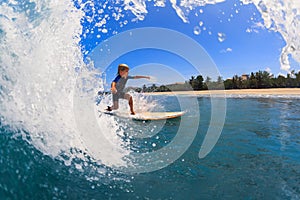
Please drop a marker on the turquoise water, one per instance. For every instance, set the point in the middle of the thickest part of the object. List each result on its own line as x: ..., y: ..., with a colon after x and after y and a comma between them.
x: 256, y: 157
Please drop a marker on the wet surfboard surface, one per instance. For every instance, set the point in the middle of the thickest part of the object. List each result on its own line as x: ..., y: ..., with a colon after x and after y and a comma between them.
x: 147, y: 115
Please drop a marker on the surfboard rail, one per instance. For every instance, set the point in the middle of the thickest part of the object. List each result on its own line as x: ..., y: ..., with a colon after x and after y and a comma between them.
x: 145, y: 116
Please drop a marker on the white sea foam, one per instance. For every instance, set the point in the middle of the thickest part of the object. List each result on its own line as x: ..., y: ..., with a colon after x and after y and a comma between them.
x: 42, y: 70
x: 38, y: 54
x: 282, y: 16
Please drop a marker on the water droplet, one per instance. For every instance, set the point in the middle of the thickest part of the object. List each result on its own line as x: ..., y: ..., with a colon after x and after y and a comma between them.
x: 221, y: 37
x: 197, y: 30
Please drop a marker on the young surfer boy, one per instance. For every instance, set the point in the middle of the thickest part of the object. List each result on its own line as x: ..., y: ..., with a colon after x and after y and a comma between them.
x: 118, y: 85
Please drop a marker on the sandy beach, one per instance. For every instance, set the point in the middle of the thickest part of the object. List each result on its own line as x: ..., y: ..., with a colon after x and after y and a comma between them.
x: 272, y: 91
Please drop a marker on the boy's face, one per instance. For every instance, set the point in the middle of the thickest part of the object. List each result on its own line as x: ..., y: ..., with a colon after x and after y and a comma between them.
x: 124, y: 73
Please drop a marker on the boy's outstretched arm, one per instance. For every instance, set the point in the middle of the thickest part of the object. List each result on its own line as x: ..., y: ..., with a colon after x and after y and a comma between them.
x: 147, y: 77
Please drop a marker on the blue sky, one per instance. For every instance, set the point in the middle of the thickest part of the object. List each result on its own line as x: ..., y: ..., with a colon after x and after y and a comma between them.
x: 244, y: 46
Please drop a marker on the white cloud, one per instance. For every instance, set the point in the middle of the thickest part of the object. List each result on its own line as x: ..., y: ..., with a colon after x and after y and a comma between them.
x: 268, y: 70
x: 281, y: 74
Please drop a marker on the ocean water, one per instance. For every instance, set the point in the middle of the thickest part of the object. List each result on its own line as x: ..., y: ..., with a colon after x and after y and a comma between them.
x: 54, y: 144
x: 256, y: 157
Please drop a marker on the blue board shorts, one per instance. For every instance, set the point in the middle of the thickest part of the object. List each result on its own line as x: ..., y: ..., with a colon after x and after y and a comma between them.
x: 118, y: 95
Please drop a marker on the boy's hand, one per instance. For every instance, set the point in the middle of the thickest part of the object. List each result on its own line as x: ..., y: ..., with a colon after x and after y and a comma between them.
x: 113, y: 90
x: 152, y: 79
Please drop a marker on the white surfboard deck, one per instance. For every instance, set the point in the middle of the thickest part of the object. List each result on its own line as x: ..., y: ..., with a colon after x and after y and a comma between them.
x: 147, y: 115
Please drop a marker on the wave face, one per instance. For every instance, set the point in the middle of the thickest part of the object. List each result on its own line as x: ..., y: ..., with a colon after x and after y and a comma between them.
x: 39, y: 52
x: 41, y: 64
x: 42, y: 69
x: 45, y: 82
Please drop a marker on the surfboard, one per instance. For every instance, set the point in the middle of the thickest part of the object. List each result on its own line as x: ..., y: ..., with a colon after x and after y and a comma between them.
x: 147, y: 116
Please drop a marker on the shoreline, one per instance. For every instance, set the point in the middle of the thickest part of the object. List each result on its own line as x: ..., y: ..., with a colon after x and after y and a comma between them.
x: 271, y: 91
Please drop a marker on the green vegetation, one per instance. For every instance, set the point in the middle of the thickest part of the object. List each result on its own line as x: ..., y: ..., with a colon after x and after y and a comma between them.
x: 263, y: 79
x: 256, y: 80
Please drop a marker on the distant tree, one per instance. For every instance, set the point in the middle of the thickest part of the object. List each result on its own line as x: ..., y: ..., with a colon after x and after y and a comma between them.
x: 258, y: 76
x: 252, y: 81
x: 207, y: 80
x: 196, y: 83
x: 263, y: 79
x: 162, y: 88
x: 220, y: 80
x: 217, y: 85
x: 266, y: 79
x: 192, y: 82
x: 144, y: 89
x: 235, y: 82
x: 208, y: 83
x: 138, y: 90
x: 291, y: 80
x: 228, y: 84
x: 297, y: 75
x: 281, y: 81
x: 153, y: 88
x: 200, y: 84
x: 260, y: 79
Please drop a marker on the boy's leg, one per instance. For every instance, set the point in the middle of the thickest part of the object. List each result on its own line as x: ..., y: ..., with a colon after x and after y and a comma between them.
x: 130, y: 102
x: 115, y: 106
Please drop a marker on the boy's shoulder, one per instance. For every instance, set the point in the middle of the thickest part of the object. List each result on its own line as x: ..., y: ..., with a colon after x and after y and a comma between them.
x: 118, y: 77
